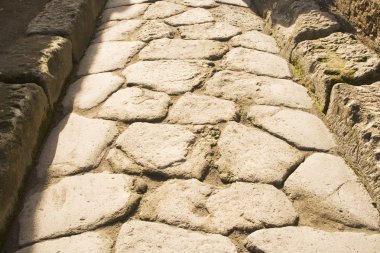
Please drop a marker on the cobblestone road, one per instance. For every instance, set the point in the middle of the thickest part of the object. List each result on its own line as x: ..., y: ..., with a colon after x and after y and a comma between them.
x: 185, y: 133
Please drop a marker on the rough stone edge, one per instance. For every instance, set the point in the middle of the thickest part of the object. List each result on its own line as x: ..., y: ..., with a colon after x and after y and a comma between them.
x: 43, y: 123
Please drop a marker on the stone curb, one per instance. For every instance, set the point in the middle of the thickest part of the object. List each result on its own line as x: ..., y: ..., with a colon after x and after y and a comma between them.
x: 32, y: 74
x: 339, y: 71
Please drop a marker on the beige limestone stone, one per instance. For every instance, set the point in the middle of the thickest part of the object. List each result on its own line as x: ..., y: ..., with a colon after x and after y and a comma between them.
x: 155, y: 30
x: 243, y: 3
x: 124, y: 12
x: 121, y: 31
x: 209, y: 31
x: 195, y: 3
x: 119, y: 161
x: 118, y: 3
x: 163, y: 9
x: 256, y: 40
x: 191, y: 17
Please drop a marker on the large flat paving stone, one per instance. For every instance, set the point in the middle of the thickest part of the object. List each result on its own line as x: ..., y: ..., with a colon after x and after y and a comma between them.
x: 257, y: 62
x: 303, y: 129
x: 244, y: 87
x: 146, y: 237
x: 163, y: 9
x: 121, y: 31
x: 177, y: 49
x: 256, y: 40
x: 191, y: 17
x: 243, y: 3
x: 76, y: 204
x: 249, y: 154
x: 153, y: 30
x: 324, y: 187
x: 89, y: 91
x: 200, y: 109
x: 108, y: 56
x: 195, y: 3
x: 198, y: 206
x: 118, y: 3
x: 75, y: 145
x: 135, y: 104
x: 209, y: 31
x: 89, y: 242
x: 172, y: 77
x: 305, y: 239
x: 124, y: 12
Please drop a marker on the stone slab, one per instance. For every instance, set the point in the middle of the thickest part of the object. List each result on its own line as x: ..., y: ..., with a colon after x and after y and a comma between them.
x: 172, y: 77
x: 251, y: 155
x: 354, y: 117
x: 135, y: 104
x: 163, y: 9
x: 118, y: 3
x: 209, y: 31
x: 76, y: 204
x: 23, y: 113
x: 108, y: 56
x: 256, y: 40
x: 34, y: 59
x: 75, y: 145
x: 248, y: 88
x: 201, y: 109
x: 198, y: 206
x: 124, y: 12
x: 306, y: 239
x: 121, y: 31
x: 153, y: 30
x: 243, y: 3
x: 256, y: 62
x: 195, y: 3
x: 191, y: 17
x: 302, y: 129
x: 89, y: 91
x: 145, y: 237
x: 177, y: 49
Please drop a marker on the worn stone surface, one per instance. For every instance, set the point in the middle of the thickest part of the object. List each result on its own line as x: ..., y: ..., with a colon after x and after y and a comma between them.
x: 243, y: 3
x: 354, y: 116
x: 163, y: 9
x: 195, y: 3
x: 240, y: 17
x: 324, y: 187
x: 303, y: 129
x: 76, y: 204
x: 140, y: 237
x: 209, y: 31
x: 118, y: 3
x: 89, y: 242
x: 200, y: 109
x: 306, y: 239
x: 75, y: 145
x: 31, y: 59
x: 257, y: 62
x: 122, y: 30
x: 135, y: 104
x: 191, y: 17
x: 172, y: 77
x: 108, y: 56
x: 89, y: 91
x: 23, y: 112
x: 177, y: 49
x: 249, y: 154
x: 155, y: 30
x: 256, y: 40
x: 124, y: 12
x: 196, y: 205
x: 336, y: 58
x: 243, y: 87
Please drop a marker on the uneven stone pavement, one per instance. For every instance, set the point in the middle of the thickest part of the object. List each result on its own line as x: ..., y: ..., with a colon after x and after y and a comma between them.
x: 184, y: 132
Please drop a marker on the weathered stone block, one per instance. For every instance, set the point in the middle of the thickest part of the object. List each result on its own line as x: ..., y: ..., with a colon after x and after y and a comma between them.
x: 44, y: 60
x: 354, y: 115
x: 23, y: 109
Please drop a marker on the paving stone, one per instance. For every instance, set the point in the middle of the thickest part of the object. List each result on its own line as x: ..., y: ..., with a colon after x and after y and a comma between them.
x: 257, y: 62
x: 249, y: 154
x: 244, y: 18
x: 303, y: 129
x: 249, y: 88
x: 146, y: 237
x: 108, y: 56
x: 200, y: 109
x: 177, y: 49
x: 163, y: 9
x: 334, y: 59
x: 172, y: 77
x: 256, y: 40
x: 243, y: 3
x: 198, y: 206
x: 119, y: 161
x: 122, y: 30
x: 306, y: 239
x: 191, y: 17
x: 155, y: 30
x: 124, y: 12
x: 89, y: 242
x: 135, y: 104
x: 75, y: 145
x: 117, y: 3
x: 324, y: 187
x: 195, y: 3
x: 89, y: 91
x: 209, y: 31
x: 76, y: 204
